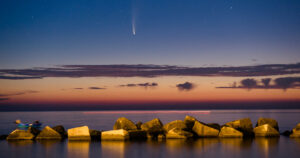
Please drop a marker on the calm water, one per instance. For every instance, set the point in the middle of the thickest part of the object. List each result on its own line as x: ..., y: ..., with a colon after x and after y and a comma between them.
x: 259, y: 147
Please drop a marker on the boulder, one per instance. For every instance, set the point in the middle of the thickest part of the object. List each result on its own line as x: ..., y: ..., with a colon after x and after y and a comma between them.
x: 120, y: 134
x: 214, y: 125
x: 48, y: 133
x: 79, y: 133
x: 244, y: 125
x: 296, y: 131
x: 124, y: 123
x: 175, y: 124
x: 61, y: 130
x: 95, y: 134
x: 273, y: 123
x: 161, y: 137
x: 153, y: 127
x: 265, y: 130
x: 137, y: 135
x: 178, y: 133
x: 229, y: 132
x: 20, y: 135
x: 189, y: 121
x: 139, y: 124
x: 34, y: 131
x: 3, y: 137
x: 286, y: 133
x: 203, y: 130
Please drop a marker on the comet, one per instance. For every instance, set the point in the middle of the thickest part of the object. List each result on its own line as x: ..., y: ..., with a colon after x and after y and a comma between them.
x: 133, y: 25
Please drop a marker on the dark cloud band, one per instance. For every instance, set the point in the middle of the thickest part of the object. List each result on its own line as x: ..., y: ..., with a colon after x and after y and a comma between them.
x: 147, y: 71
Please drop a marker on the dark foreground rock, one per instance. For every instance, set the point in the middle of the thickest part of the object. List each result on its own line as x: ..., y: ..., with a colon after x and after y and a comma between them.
x: 203, y: 130
x: 95, y: 134
x: 178, y: 133
x: 20, y: 135
x: 190, y: 121
x: 119, y: 134
x: 137, y: 135
x: 124, y: 123
x: 273, y: 123
x: 296, y: 131
x: 3, y: 137
x: 153, y: 127
x: 229, y: 132
x: 243, y: 125
x: 61, y: 130
x: 265, y: 130
x: 179, y: 124
x: 138, y: 125
x: 79, y: 133
x: 48, y: 133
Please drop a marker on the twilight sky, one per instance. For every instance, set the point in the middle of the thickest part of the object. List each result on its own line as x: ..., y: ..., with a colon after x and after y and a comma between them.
x: 199, y: 51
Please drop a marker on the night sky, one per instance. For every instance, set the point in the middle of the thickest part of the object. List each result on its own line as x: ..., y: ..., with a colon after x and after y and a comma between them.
x: 42, y: 40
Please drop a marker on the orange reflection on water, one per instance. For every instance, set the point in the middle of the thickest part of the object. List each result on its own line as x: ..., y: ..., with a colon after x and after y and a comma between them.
x: 78, y: 149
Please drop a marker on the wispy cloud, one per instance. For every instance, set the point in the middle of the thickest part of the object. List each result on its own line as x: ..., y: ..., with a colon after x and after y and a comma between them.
x: 187, y: 86
x: 148, y: 71
x: 265, y: 83
x: 3, y: 99
x: 78, y: 88
x: 147, y: 84
x: 6, y: 96
x: 17, y: 93
x: 96, y: 88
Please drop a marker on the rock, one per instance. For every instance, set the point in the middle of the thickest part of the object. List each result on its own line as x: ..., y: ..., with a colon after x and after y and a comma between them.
x: 48, y: 133
x: 3, y: 137
x: 273, y: 123
x: 296, y: 131
x: 120, y: 134
x: 230, y: 132
x: 124, y: 123
x: 214, y: 125
x: 175, y: 124
x: 265, y: 130
x: 161, y: 137
x: 244, y: 125
x: 286, y: 133
x: 95, y: 135
x: 178, y: 133
x: 138, y: 125
x: 79, y: 133
x: 202, y: 130
x: 20, y: 135
x: 34, y: 131
x: 61, y: 130
x: 189, y: 121
x: 137, y: 135
x: 153, y: 127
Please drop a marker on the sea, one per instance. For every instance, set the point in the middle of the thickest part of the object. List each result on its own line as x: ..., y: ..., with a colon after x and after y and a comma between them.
x: 104, y: 120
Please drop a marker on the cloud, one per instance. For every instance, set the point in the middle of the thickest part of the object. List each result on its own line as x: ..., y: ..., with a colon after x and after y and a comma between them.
x: 265, y: 83
x: 18, y: 93
x: 147, y: 84
x: 96, y: 88
x: 287, y: 82
x: 147, y: 71
x: 78, y: 88
x: 249, y: 83
x: 187, y: 86
x: 4, y: 99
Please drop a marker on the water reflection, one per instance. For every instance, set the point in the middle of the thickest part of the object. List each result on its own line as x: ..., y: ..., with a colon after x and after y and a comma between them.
x: 113, y: 148
x: 266, y: 144
x: 48, y: 143
x: 17, y: 143
x: 236, y: 143
x: 78, y: 149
